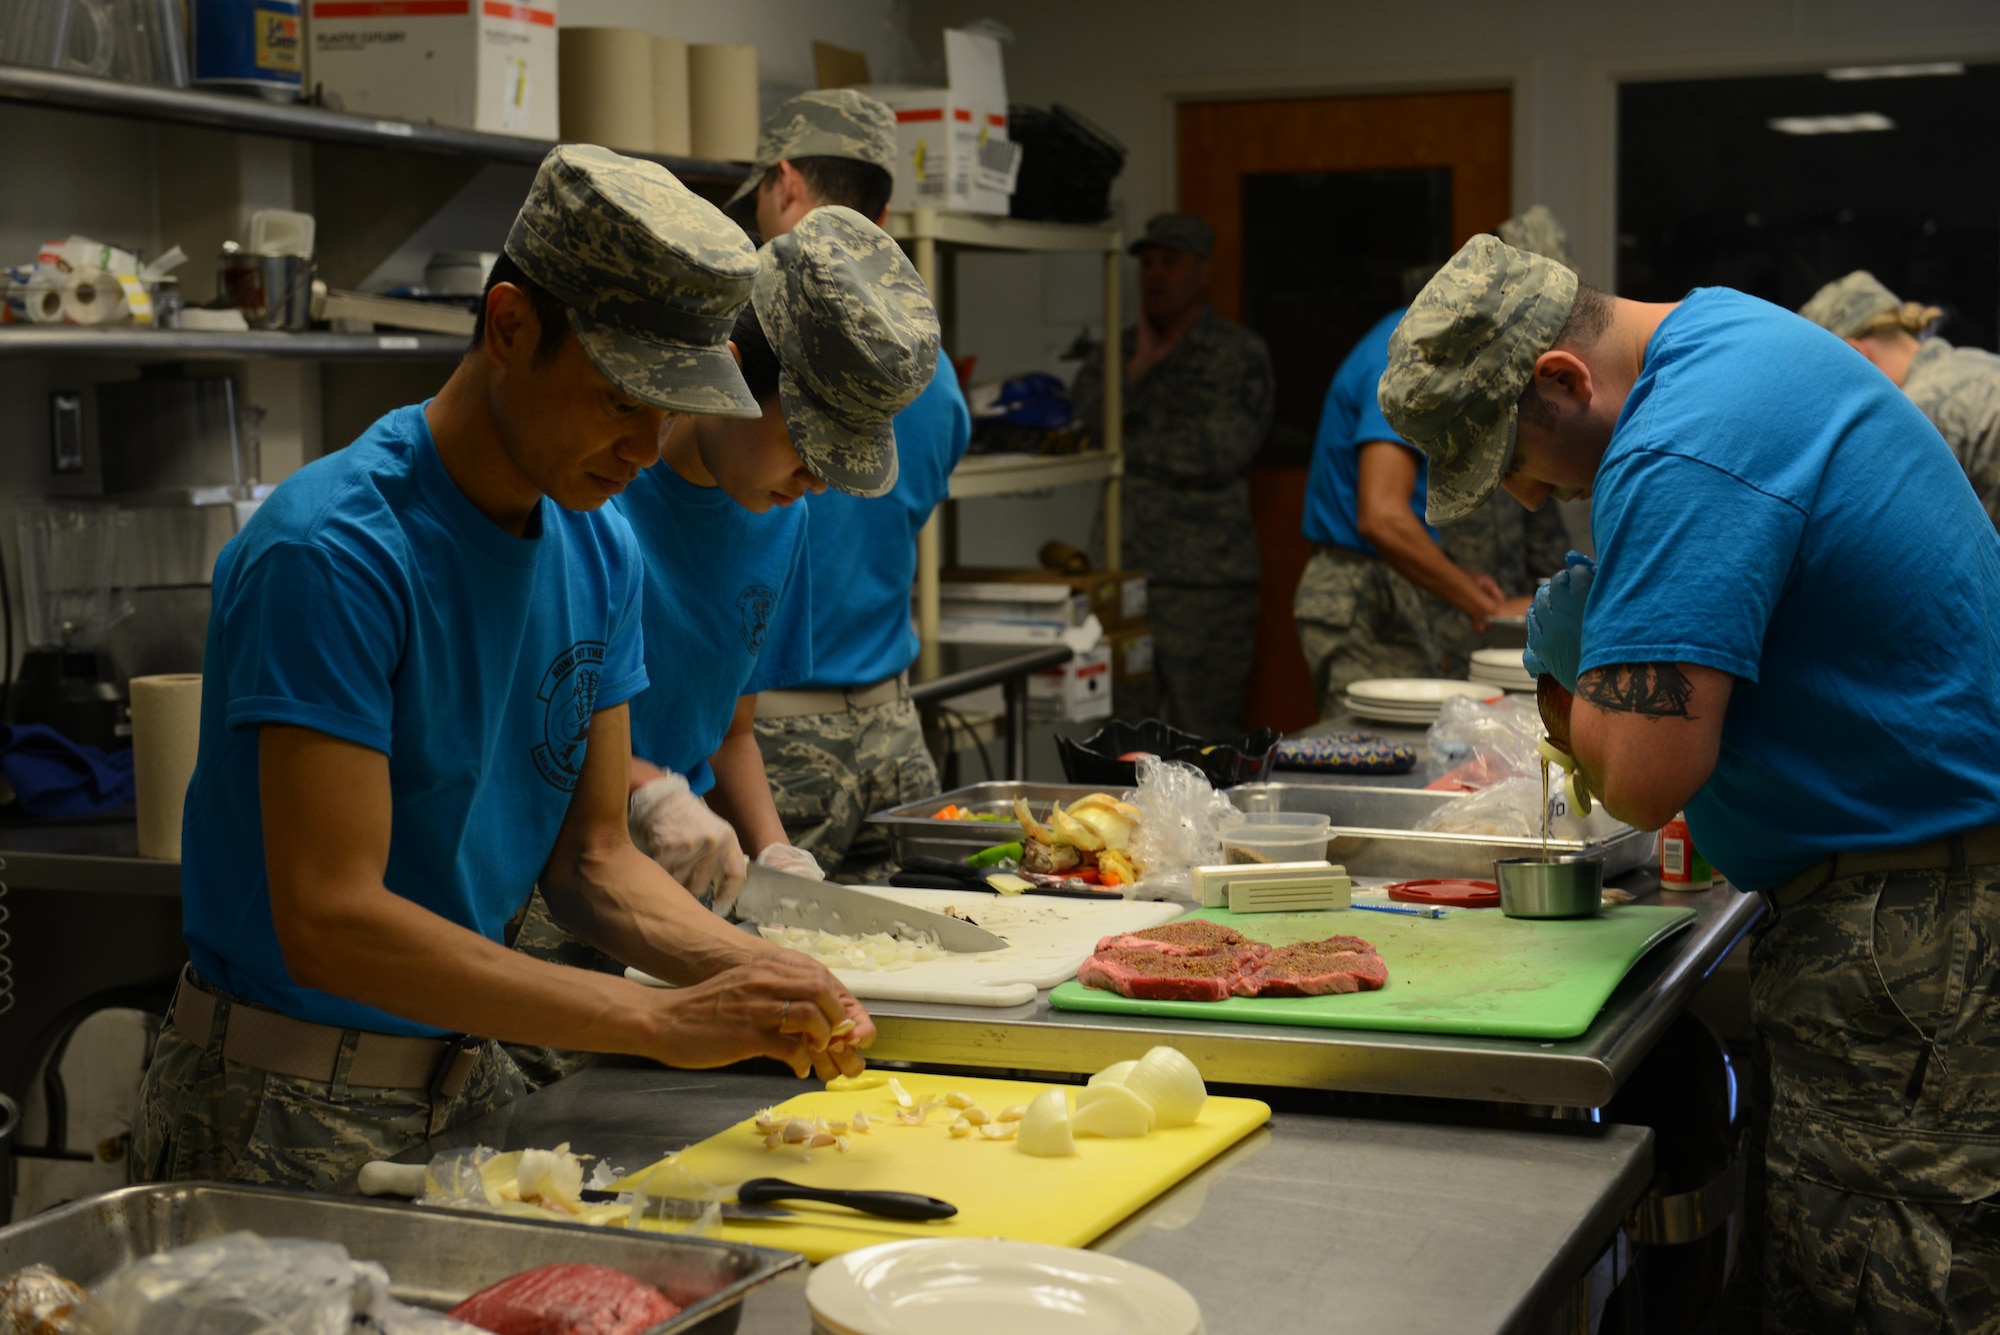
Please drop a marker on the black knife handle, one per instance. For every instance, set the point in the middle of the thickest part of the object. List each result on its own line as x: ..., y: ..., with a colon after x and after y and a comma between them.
x: 923, y: 880
x: 960, y: 871
x: 888, y: 1204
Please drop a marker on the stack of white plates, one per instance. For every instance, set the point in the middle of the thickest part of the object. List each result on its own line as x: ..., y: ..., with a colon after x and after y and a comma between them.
x: 1410, y: 701
x: 1502, y: 668
x: 987, y: 1286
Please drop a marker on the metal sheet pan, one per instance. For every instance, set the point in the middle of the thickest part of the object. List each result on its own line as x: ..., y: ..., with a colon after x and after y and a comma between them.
x: 435, y: 1258
x: 1373, y: 832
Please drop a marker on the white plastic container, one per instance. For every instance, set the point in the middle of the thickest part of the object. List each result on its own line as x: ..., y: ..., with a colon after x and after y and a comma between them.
x: 1276, y: 836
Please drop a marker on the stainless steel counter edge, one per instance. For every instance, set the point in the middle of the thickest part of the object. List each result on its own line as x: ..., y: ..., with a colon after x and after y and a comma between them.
x: 1581, y: 1072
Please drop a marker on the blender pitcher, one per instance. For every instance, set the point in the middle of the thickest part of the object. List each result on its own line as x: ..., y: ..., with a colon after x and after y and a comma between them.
x: 65, y: 680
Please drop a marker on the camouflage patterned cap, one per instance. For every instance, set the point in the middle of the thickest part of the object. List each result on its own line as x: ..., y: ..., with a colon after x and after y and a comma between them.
x: 653, y: 276
x: 1177, y: 231
x: 1460, y: 359
x: 856, y: 338
x: 1849, y: 305
x: 828, y: 123
x: 1537, y: 232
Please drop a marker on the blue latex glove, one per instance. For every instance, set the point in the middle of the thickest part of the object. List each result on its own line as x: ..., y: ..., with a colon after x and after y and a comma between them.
x: 1555, y: 622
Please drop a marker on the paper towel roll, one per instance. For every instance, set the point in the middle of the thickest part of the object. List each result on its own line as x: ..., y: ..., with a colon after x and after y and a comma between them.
x: 722, y: 100
x: 166, y: 730
x: 92, y: 296
x: 44, y: 297
x: 670, y: 97
x: 606, y: 80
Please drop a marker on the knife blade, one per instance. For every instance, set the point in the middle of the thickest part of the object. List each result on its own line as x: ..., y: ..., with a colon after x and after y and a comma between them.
x: 776, y: 898
x: 730, y: 1209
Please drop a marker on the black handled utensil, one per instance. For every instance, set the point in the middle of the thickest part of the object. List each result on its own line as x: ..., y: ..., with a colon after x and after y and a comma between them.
x: 888, y: 1204
x: 923, y: 872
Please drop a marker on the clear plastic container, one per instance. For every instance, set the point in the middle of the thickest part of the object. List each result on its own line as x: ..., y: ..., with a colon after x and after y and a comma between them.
x: 1276, y: 836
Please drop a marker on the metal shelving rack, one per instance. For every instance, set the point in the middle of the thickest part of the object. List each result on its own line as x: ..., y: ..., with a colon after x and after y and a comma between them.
x: 138, y: 344
x: 925, y: 232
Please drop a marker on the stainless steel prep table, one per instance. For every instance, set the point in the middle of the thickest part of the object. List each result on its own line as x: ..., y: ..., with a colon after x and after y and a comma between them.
x: 1411, y: 1227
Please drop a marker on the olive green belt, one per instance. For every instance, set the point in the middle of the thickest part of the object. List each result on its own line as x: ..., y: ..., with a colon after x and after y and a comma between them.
x: 1973, y: 848
x: 795, y: 704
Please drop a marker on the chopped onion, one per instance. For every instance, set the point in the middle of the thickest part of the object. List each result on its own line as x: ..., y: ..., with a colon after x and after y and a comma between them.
x: 870, y: 953
x: 1167, y: 1080
x: 553, y: 1177
x: 1045, y: 1129
x: 1111, y: 1110
x: 1113, y: 1074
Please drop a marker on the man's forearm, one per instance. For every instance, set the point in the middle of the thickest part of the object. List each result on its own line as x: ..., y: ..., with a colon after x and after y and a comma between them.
x: 622, y: 902
x: 1409, y: 550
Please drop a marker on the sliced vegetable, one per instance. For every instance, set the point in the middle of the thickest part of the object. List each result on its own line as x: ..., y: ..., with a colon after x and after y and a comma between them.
x: 1045, y: 1129
x: 1072, y: 831
x: 1031, y: 827
x: 1111, y: 1110
x: 1114, y: 1073
x: 999, y: 853
x: 1167, y: 1080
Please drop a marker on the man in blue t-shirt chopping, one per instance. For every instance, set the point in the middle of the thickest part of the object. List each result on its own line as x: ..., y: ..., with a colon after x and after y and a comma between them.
x: 1793, y: 633
x: 419, y: 662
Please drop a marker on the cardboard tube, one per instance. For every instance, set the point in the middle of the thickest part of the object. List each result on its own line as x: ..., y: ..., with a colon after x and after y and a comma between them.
x: 670, y: 98
x: 722, y: 100
x: 606, y: 81
x: 166, y: 733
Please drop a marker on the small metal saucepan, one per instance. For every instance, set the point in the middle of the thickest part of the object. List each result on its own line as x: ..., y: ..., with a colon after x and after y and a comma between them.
x: 1564, y: 886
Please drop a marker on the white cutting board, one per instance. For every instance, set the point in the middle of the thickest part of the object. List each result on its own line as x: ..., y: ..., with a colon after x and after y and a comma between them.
x: 1047, y: 939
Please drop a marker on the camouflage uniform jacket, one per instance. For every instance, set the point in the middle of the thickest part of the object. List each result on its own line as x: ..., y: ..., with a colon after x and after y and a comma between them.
x: 1959, y: 390
x: 1192, y: 426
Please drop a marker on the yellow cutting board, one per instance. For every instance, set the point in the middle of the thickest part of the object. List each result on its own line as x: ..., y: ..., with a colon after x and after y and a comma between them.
x: 999, y: 1191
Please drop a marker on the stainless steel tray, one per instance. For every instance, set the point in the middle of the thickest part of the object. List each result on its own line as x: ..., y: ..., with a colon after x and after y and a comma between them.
x: 1372, y: 828
x: 435, y: 1258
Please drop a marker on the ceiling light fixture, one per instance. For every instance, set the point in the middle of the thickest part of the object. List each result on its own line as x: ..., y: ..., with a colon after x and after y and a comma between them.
x: 1860, y: 122
x: 1851, y: 73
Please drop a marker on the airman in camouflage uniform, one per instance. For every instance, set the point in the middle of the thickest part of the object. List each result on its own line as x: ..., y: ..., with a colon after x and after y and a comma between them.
x: 1957, y: 388
x: 1194, y: 420
x: 1875, y: 980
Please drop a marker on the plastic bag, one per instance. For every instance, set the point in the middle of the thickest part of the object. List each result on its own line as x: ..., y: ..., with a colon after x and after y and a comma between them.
x: 1488, y: 742
x: 670, y: 1199
x: 243, y: 1284
x: 1181, y: 827
x: 1512, y: 808
x: 35, y: 1300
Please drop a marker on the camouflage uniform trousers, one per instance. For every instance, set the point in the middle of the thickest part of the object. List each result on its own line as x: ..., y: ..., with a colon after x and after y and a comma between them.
x: 538, y: 934
x: 1878, y: 1001
x: 1203, y: 641
x: 829, y: 772
x: 203, y: 1116
x: 1357, y: 619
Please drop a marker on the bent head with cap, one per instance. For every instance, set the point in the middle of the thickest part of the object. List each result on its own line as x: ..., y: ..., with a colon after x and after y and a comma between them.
x: 1874, y: 321
x: 831, y: 146
x: 609, y: 311
x: 1173, y: 256
x: 1505, y: 372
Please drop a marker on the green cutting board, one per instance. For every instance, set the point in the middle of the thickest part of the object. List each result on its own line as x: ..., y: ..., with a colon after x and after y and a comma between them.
x: 1473, y: 971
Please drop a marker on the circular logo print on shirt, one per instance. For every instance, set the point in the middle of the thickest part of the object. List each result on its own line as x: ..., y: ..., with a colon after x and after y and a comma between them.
x: 756, y: 603
x: 569, y: 692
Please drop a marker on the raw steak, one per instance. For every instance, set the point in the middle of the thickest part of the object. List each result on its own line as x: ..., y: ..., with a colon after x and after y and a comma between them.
x: 1191, y: 936
x: 1150, y: 975
x: 1314, y: 969
x: 569, y: 1299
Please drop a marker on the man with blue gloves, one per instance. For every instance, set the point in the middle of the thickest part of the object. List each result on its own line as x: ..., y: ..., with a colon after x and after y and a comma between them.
x: 1793, y: 633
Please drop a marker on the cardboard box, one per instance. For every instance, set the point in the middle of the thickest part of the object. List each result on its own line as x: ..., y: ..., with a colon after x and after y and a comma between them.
x: 1115, y: 597
x: 1131, y: 654
x: 952, y: 149
x: 469, y: 64
x: 1077, y: 691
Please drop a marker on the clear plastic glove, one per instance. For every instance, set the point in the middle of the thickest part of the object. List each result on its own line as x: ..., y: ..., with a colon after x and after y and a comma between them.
x: 1555, y: 622
x: 791, y: 858
x: 697, y: 847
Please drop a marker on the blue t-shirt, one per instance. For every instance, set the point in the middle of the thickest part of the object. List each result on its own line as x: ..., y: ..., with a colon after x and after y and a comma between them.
x: 728, y: 613
x: 867, y: 550
x: 369, y: 600
x: 1773, y: 506
x: 1351, y: 418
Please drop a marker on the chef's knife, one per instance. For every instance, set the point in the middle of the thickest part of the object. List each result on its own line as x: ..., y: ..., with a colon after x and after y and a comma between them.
x: 782, y: 899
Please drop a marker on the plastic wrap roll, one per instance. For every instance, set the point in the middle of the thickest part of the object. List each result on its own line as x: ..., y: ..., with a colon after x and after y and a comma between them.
x: 166, y: 732
x: 670, y: 97
x: 722, y: 100
x: 606, y: 79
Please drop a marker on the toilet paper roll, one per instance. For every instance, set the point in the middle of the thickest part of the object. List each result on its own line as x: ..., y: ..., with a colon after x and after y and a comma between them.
x: 606, y: 81
x: 670, y: 98
x: 166, y: 731
x: 44, y: 297
x: 722, y: 100
x: 92, y: 296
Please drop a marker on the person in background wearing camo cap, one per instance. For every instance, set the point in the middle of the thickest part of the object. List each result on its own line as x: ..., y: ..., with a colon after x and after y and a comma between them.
x: 1385, y: 594
x: 1957, y: 388
x: 845, y: 740
x: 1198, y: 405
x: 1790, y: 633
x: 435, y: 632
x: 839, y: 337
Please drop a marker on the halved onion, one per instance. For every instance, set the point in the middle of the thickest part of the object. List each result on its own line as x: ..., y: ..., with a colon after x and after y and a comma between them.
x: 1114, y: 1074
x: 1167, y: 1080
x: 1071, y: 831
x: 1045, y: 1129
x: 1112, y: 1111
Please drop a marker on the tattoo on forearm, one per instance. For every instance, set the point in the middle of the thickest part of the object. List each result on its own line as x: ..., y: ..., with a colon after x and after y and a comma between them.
x: 1651, y: 690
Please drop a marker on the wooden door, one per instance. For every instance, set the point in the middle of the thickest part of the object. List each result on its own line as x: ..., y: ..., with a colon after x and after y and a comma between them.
x: 1362, y: 159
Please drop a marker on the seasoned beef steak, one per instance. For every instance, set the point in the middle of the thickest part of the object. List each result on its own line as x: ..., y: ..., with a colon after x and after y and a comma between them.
x: 566, y: 1299
x: 1152, y: 976
x: 1314, y: 969
x: 1190, y: 936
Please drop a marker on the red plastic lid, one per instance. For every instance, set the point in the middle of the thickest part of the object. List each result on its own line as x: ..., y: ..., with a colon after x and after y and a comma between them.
x: 1457, y: 893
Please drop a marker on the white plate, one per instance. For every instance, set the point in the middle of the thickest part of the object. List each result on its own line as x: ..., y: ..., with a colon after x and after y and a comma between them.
x: 1500, y: 658
x: 1414, y: 690
x: 1361, y: 709
x: 986, y: 1286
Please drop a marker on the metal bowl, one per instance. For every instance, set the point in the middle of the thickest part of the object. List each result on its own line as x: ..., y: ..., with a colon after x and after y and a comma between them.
x: 1565, y: 886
